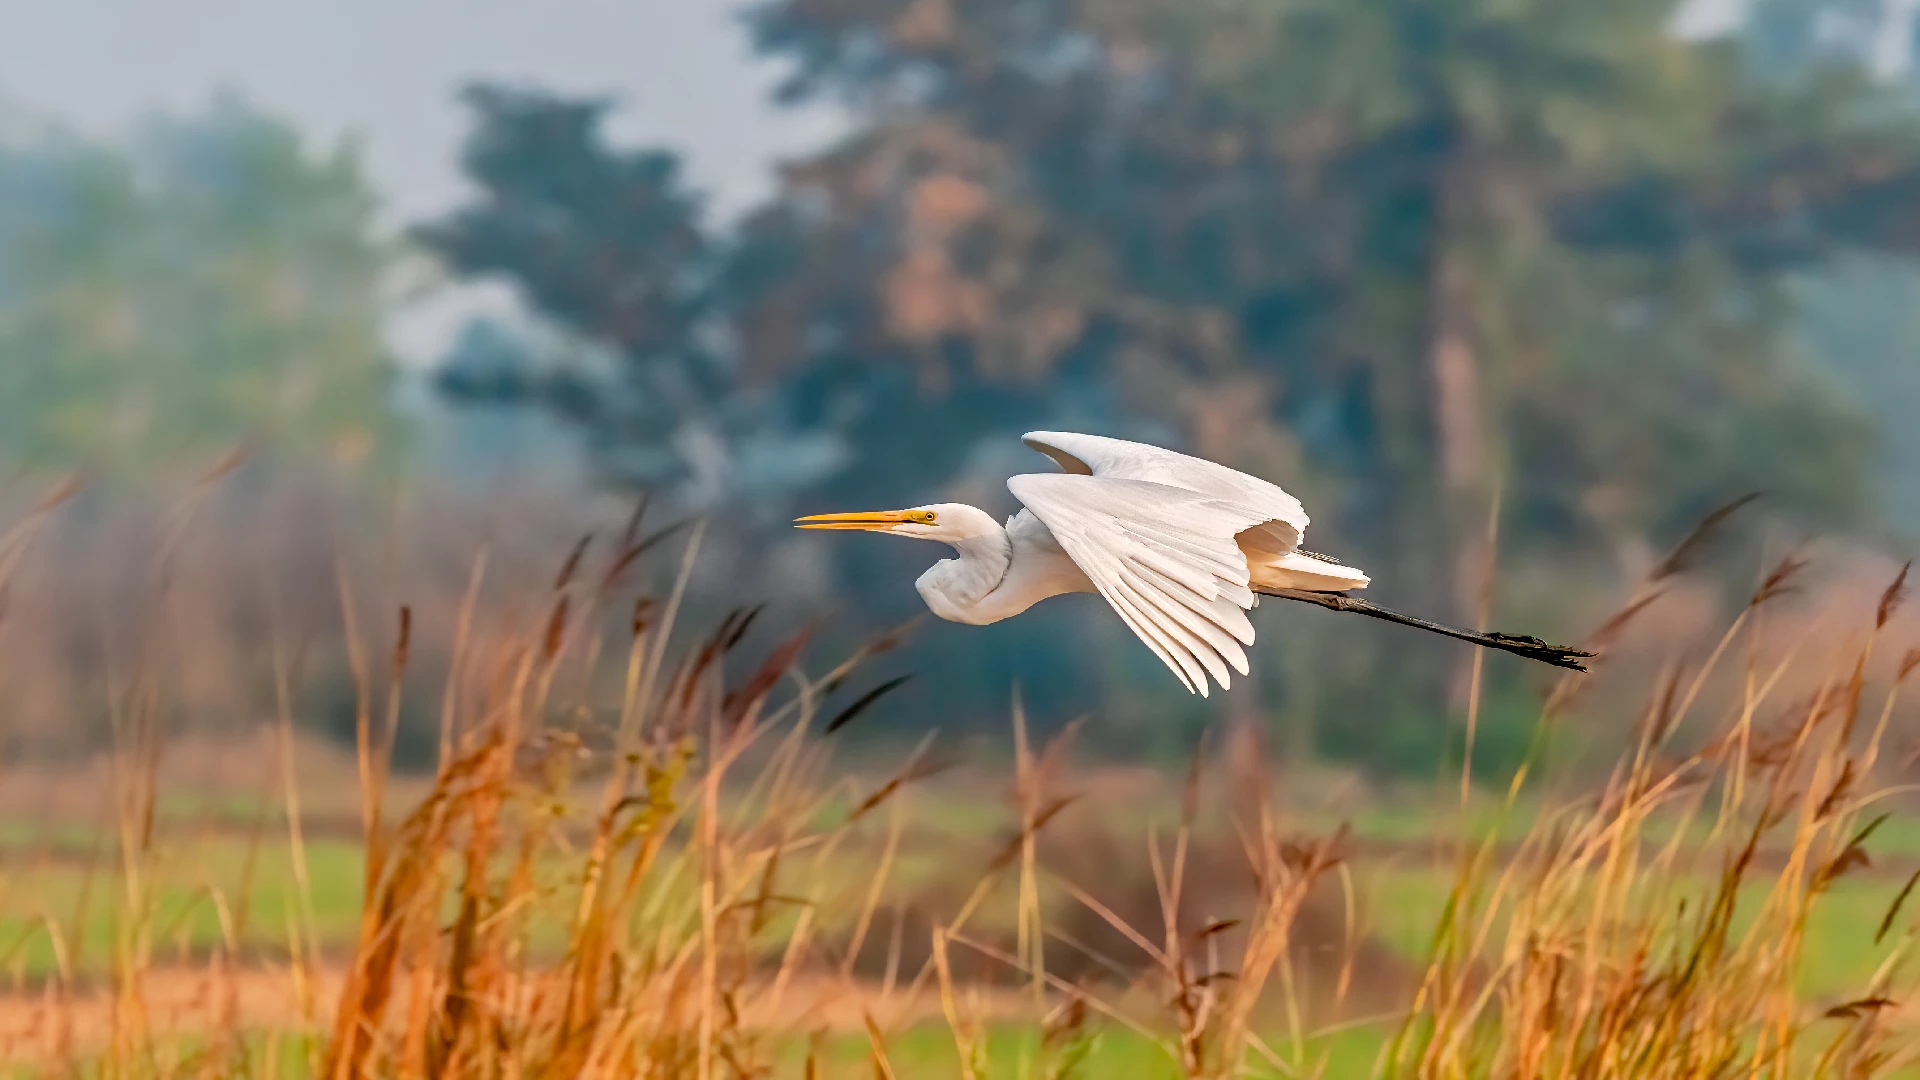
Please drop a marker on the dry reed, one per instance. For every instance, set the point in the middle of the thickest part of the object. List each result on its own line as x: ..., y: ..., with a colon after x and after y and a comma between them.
x: 651, y: 882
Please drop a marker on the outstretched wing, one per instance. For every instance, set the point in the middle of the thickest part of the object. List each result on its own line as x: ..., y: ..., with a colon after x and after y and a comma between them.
x: 1098, y: 456
x: 1164, y: 556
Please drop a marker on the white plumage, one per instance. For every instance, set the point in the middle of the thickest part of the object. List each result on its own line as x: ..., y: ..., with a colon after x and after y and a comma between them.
x: 1181, y: 548
x: 1175, y: 544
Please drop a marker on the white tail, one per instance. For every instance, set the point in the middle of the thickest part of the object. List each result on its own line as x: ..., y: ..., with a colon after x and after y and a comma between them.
x: 1298, y: 570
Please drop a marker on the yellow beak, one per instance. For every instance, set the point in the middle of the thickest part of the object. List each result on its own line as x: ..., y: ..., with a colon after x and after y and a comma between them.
x: 869, y: 521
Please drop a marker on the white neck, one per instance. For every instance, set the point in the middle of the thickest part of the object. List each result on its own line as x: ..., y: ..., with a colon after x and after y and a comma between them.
x: 1001, y: 572
x: 954, y: 588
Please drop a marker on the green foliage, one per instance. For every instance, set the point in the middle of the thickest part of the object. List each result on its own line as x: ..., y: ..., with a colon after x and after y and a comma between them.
x: 211, y: 281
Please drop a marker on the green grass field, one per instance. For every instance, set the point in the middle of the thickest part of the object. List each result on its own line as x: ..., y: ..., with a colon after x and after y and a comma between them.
x: 53, y: 904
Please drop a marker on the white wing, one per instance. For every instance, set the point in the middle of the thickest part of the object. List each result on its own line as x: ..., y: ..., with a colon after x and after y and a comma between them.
x: 1164, y: 557
x: 1159, y: 534
x: 1099, y: 456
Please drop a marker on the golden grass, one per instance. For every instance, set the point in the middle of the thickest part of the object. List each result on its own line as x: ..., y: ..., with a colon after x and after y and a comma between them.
x: 632, y: 858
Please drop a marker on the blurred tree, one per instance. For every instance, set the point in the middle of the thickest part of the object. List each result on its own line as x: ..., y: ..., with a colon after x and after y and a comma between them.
x: 1396, y: 254
x: 1858, y: 326
x: 608, y: 247
x: 661, y: 342
x: 1417, y: 225
x: 214, y: 281
x: 1861, y: 329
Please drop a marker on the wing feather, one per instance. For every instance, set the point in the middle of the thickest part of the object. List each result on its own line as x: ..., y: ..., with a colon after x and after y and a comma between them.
x: 1223, y: 623
x: 1169, y: 651
x: 1100, y: 456
x: 1159, y: 534
x: 1164, y: 557
x: 1192, y: 618
x: 1097, y: 564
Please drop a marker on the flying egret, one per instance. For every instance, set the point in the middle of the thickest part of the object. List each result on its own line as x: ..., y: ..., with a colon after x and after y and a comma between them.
x: 1179, y: 546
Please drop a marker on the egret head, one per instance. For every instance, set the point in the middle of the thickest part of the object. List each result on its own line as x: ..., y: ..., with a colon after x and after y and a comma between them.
x: 950, y: 523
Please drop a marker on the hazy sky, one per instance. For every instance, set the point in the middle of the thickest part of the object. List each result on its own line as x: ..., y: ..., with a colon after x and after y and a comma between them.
x: 387, y: 71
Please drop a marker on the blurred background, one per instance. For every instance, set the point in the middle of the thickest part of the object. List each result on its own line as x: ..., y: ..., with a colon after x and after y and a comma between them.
x: 1520, y: 285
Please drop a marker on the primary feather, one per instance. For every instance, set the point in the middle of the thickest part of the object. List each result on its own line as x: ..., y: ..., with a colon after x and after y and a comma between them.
x: 1164, y: 557
x: 1175, y: 544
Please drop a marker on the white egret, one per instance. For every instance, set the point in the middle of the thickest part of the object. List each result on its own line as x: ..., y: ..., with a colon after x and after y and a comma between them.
x: 1179, y: 546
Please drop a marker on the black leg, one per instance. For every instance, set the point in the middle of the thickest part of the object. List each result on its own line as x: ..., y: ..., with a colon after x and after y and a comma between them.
x: 1530, y: 647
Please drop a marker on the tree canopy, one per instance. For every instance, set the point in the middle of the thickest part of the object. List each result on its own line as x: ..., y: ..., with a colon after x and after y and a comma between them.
x: 1406, y: 257
x: 209, y: 281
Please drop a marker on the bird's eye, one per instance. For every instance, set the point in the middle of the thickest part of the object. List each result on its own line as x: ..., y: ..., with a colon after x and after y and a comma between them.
x: 925, y: 517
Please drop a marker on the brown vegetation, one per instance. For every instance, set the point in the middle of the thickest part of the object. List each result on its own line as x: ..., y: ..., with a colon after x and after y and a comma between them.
x: 634, y: 856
